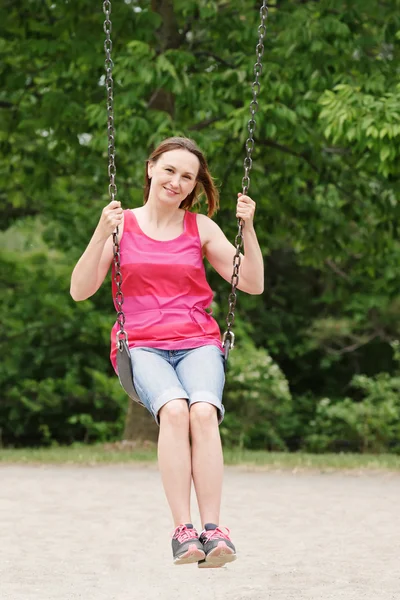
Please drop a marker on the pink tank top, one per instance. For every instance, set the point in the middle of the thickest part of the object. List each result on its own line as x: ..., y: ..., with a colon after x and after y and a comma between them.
x: 165, y: 290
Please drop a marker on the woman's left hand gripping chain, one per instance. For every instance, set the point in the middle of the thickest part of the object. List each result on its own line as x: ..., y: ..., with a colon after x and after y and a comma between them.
x: 245, y: 208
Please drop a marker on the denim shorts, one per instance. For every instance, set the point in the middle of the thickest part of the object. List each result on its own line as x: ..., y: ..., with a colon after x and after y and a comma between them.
x: 196, y: 375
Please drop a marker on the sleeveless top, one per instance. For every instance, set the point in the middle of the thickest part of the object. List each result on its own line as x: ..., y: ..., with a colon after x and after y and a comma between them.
x: 166, y: 294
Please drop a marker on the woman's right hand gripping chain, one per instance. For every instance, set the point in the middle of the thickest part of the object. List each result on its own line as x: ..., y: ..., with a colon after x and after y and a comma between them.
x: 111, y: 217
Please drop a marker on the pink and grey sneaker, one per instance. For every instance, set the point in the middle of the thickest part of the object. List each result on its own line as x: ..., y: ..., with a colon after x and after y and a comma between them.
x: 217, y: 545
x: 186, y: 546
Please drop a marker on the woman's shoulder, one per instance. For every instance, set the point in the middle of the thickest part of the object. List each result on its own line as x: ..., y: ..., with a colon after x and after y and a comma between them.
x: 206, y: 223
x: 207, y: 228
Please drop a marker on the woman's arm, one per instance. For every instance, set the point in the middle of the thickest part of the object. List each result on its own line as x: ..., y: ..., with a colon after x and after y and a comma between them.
x: 220, y: 252
x: 92, y: 267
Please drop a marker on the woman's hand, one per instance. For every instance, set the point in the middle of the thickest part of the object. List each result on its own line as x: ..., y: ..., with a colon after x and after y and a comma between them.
x: 112, y: 215
x: 245, y: 209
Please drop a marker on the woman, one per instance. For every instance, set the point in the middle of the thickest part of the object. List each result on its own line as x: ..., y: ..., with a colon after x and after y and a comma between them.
x: 175, y: 346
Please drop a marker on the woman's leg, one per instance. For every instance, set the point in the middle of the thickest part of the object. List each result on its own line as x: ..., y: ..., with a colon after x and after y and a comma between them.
x: 207, y: 460
x: 201, y: 373
x: 174, y: 458
x: 207, y: 465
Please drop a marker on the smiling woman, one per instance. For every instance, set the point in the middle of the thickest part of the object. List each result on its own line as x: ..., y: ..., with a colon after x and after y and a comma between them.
x: 165, y: 345
x: 173, y: 341
x: 184, y: 163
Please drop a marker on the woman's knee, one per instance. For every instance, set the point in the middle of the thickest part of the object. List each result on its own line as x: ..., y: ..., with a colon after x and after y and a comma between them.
x: 175, y: 412
x: 203, y: 415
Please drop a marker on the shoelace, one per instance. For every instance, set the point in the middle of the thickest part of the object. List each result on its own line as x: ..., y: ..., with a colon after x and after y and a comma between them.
x: 219, y: 532
x: 182, y: 534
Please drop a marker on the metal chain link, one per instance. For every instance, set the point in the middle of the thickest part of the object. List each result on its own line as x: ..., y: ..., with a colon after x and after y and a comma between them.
x: 112, y: 188
x: 228, y: 339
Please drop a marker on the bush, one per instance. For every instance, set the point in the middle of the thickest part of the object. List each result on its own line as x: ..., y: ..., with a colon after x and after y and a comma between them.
x: 369, y: 425
x: 257, y: 400
x: 56, y: 385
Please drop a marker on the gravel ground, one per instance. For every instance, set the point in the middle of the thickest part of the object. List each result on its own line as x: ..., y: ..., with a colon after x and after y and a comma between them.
x: 102, y: 533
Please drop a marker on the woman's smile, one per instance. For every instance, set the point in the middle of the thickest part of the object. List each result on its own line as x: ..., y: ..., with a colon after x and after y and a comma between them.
x: 170, y: 191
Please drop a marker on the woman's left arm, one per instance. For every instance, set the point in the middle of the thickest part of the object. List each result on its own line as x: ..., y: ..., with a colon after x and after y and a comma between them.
x: 220, y: 252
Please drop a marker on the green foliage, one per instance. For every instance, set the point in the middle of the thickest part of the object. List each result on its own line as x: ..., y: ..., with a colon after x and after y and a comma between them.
x: 258, y: 401
x: 51, y: 376
x: 368, y: 425
x: 325, y: 177
x: 370, y: 124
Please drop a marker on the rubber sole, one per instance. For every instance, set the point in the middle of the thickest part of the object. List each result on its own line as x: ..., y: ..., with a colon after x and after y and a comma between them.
x: 218, y: 557
x: 192, y: 555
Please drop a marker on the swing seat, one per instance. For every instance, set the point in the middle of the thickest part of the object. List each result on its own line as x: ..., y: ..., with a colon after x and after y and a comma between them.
x: 125, y: 374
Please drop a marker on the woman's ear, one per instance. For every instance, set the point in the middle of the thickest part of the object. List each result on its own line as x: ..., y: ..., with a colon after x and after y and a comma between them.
x: 150, y: 166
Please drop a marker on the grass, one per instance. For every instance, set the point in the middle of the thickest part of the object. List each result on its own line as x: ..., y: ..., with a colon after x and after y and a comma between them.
x: 119, y: 453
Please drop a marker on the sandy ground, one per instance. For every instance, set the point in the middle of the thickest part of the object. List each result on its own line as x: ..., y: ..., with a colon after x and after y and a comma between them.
x: 102, y: 533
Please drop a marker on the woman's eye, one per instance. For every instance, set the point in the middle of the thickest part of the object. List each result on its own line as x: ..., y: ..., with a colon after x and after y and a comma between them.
x: 169, y: 170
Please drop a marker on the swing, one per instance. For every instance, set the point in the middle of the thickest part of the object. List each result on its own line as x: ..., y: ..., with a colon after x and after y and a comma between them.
x: 228, y: 340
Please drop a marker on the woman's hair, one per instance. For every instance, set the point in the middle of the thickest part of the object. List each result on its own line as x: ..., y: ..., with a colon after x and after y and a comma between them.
x: 204, y: 180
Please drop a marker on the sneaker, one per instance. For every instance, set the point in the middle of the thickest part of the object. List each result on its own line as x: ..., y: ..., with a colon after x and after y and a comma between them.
x: 186, y: 546
x: 218, y: 547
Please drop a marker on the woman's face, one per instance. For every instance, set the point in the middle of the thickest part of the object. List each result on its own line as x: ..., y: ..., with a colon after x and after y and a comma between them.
x: 173, y: 176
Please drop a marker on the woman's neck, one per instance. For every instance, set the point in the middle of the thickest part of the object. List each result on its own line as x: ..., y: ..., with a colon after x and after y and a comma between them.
x: 161, y: 217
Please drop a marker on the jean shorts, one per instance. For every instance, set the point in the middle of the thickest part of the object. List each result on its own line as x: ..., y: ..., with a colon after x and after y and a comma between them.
x: 196, y: 375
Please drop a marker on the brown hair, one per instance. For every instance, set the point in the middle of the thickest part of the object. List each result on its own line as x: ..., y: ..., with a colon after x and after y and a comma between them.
x: 204, y: 182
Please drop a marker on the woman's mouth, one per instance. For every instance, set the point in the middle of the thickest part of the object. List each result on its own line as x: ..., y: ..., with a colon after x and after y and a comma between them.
x: 170, y: 191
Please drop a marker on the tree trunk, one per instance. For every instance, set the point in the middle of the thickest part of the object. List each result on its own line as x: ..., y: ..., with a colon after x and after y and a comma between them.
x: 139, y: 424
x: 168, y: 33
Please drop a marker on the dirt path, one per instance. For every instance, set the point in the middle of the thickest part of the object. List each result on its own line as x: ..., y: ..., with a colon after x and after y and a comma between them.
x: 102, y: 533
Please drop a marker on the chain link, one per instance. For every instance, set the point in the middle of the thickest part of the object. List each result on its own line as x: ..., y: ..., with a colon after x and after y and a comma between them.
x: 229, y: 337
x: 112, y: 188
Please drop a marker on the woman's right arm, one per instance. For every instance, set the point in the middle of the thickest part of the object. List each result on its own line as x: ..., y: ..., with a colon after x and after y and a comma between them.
x: 92, y: 267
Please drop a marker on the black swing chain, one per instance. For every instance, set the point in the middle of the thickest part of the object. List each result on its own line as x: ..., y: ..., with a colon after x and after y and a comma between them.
x: 228, y: 339
x: 112, y: 188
